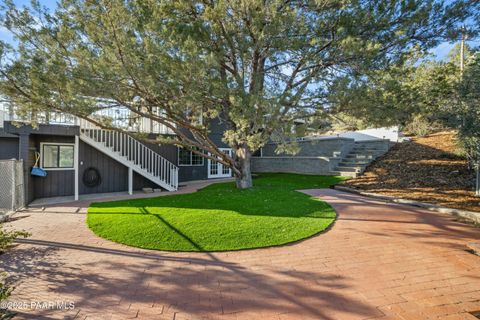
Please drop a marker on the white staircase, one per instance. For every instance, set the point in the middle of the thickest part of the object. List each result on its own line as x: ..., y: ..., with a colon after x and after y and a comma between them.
x: 133, y: 154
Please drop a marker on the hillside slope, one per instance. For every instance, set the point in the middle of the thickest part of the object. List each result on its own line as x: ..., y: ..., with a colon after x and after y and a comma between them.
x: 425, y: 169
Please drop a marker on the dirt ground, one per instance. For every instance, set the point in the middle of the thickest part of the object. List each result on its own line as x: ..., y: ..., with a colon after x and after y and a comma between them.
x: 425, y: 169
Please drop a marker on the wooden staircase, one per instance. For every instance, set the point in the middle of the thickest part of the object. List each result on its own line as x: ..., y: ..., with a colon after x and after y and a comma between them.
x: 133, y: 154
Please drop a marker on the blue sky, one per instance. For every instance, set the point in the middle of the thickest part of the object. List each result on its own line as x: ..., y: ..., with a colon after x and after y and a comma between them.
x: 440, y: 52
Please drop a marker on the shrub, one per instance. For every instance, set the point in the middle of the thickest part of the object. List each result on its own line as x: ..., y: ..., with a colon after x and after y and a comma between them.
x: 419, y: 126
x: 6, y: 239
x: 5, y: 290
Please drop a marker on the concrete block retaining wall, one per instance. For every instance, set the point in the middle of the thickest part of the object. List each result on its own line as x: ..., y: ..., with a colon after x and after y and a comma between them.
x: 323, y: 147
x: 375, y: 144
x: 319, y: 156
x: 306, y: 165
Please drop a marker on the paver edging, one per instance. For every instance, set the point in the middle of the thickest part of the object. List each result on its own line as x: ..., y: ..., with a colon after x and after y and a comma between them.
x: 471, y: 216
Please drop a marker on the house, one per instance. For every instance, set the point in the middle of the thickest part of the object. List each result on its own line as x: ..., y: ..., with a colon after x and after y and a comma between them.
x: 80, y: 158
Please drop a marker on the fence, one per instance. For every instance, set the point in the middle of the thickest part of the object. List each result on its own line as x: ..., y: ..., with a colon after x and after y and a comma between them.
x: 12, y: 195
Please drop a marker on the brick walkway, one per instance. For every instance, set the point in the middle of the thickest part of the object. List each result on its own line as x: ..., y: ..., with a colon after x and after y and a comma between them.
x: 379, y: 261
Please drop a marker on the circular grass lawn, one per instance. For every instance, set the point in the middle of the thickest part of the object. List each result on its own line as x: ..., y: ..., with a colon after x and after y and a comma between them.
x: 218, y: 217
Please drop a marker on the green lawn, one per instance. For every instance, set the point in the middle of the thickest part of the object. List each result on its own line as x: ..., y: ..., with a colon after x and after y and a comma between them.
x: 218, y: 217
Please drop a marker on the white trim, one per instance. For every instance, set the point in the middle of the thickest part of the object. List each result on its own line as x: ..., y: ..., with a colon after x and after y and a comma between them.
x: 188, y: 165
x: 56, y: 144
x: 75, y: 164
x: 220, y: 173
x: 130, y: 181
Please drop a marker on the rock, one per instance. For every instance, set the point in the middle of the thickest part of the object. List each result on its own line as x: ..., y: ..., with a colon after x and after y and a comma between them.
x: 147, y: 190
x: 157, y: 190
x: 474, y: 247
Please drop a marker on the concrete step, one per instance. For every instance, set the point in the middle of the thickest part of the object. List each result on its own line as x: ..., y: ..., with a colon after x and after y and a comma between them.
x: 351, y: 165
x: 350, y: 168
x: 345, y: 174
x: 355, y: 150
x: 355, y: 161
x: 369, y: 148
x: 360, y: 156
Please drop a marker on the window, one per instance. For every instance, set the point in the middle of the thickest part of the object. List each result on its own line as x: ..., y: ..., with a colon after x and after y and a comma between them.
x: 57, y: 156
x: 189, y: 158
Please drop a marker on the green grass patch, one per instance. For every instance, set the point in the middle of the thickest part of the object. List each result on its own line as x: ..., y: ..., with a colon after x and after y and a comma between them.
x: 218, y: 217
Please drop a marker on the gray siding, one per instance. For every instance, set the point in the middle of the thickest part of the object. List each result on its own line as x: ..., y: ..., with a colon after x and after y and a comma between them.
x: 61, y: 182
x: 8, y: 148
x: 167, y: 151
x: 26, y: 148
x: 190, y: 173
x: 113, y: 174
x: 56, y: 130
x: 57, y: 182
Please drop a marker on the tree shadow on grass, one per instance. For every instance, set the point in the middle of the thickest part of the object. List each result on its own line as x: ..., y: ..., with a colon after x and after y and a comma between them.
x: 181, y: 236
x: 180, y: 233
x: 272, y: 195
x: 282, y: 204
x: 222, y: 212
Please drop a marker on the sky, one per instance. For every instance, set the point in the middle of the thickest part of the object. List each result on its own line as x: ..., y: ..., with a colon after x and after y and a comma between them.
x: 440, y: 52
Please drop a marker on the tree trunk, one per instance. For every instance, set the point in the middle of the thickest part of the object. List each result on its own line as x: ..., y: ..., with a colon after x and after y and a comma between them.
x: 477, y: 171
x: 244, y: 179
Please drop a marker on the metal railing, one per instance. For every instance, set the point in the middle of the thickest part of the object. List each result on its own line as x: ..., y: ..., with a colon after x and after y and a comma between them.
x: 118, y: 117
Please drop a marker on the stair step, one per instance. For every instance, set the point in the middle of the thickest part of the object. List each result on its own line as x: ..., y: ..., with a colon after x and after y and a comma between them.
x: 345, y: 174
x: 356, y: 161
x: 360, y: 156
x: 348, y: 169
x: 368, y: 150
x: 352, y: 165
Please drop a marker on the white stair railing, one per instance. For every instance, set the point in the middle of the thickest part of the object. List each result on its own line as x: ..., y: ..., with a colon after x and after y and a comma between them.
x: 134, y: 154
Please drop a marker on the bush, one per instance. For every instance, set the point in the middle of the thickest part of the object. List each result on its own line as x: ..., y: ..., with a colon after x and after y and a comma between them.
x: 5, y: 290
x: 6, y: 240
x: 419, y: 126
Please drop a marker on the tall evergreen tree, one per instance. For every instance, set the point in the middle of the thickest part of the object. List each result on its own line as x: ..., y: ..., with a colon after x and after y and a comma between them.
x: 255, y: 64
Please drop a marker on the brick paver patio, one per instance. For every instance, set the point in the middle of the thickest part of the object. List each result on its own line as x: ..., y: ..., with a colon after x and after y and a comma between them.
x: 379, y: 261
